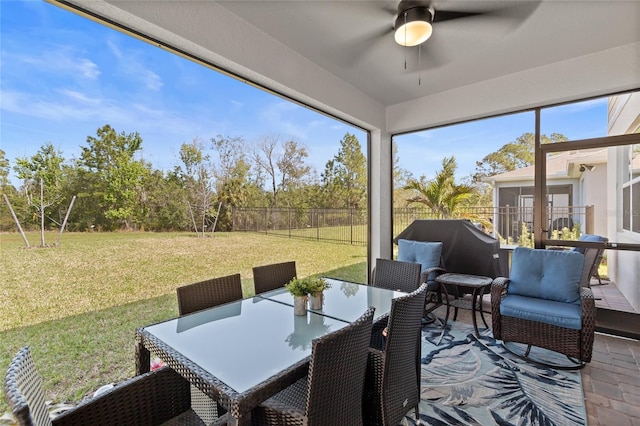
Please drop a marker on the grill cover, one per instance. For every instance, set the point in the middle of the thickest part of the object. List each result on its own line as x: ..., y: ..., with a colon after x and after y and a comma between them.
x: 465, y: 248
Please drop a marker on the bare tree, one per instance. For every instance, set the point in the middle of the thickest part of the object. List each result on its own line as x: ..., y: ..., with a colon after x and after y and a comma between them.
x: 284, y: 164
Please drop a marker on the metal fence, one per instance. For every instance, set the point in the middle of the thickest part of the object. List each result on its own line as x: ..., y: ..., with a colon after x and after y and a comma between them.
x: 349, y: 226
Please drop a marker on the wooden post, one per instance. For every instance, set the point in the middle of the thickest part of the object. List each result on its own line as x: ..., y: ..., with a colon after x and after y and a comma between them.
x: 589, y: 226
x: 15, y: 218
x: 216, y: 220
x: 64, y: 222
x: 41, y: 213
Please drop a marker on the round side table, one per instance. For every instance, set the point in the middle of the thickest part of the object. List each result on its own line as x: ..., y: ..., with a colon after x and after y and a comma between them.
x: 477, y: 284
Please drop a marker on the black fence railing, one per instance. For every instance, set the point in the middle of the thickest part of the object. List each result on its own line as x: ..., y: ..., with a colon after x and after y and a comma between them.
x: 349, y: 226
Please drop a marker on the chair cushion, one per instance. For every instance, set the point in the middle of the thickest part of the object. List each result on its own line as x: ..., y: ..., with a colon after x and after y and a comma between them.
x: 546, y: 274
x: 565, y: 315
x: 427, y: 254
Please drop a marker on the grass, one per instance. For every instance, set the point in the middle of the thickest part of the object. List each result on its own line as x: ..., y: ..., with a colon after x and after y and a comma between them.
x: 77, y: 305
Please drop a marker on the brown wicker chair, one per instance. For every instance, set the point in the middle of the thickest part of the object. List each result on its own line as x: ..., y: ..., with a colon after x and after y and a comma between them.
x: 153, y: 398
x: 531, y: 313
x: 209, y: 293
x: 204, y: 295
x: 392, y: 385
x: 331, y: 394
x: 396, y: 275
x: 270, y: 277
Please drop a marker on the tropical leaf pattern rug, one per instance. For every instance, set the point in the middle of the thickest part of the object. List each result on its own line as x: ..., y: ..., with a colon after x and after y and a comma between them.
x: 475, y: 381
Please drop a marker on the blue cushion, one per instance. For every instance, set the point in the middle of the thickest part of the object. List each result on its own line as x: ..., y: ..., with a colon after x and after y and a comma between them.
x: 588, y: 237
x: 566, y: 315
x: 427, y: 254
x: 546, y: 274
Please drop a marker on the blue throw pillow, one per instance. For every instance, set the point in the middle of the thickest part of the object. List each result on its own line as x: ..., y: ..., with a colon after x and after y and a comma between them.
x: 546, y: 274
x: 427, y: 254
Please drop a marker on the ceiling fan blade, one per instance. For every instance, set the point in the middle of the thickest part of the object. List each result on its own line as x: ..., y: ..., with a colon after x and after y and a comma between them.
x: 447, y: 15
x: 363, y: 45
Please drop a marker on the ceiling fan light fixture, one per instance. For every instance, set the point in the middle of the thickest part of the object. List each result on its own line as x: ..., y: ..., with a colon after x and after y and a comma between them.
x: 413, y: 26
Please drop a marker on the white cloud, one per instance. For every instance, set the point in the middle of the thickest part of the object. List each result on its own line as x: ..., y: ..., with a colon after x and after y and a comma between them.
x: 131, y: 65
x: 59, y: 61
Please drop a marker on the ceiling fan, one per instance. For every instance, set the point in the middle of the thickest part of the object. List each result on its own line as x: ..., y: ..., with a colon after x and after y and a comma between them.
x: 414, y: 19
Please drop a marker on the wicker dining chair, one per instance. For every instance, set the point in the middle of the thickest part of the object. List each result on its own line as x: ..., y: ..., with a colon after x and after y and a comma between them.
x: 331, y: 393
x: 209, y: 293
x: 158, y: 397
x: 270, y: 277
x: 392, y: 385
x: 204, y: 295
x: 396, y: 275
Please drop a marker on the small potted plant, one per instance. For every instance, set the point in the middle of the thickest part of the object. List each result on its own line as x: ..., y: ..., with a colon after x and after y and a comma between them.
x: 299, y: 288
x: 316, y: 296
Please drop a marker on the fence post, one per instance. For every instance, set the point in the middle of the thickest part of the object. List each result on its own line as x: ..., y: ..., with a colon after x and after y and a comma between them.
x: 351, y: 223
x: 508, y: 223
x: 318, y: 225
x: 289, y: 220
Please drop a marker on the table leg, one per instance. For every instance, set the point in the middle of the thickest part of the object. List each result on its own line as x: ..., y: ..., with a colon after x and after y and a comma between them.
x: 474, y: 300
x: 482, y: 310
x: 143, y: 359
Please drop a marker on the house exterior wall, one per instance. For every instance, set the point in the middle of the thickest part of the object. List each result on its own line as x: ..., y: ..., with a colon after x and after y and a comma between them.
x: 623, y: 266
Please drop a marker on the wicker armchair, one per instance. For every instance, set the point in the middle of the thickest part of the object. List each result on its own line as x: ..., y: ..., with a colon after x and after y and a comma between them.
x: 204, y: 295
x: 209, y: 293
x: 392, y: 385
x: 396, y: 275
x: 542, y: 304
x: 270, y: 277
x: 153, y: 398
x: 429, y: 255
x: 331, y: 394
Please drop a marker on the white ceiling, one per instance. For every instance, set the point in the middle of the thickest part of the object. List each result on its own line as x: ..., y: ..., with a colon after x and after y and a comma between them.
x: 340, y: 56
x: 353, y: 39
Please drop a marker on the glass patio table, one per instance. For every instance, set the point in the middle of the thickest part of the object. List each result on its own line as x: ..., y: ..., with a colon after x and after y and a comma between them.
x: 240, y: 353
x: 345, y: 300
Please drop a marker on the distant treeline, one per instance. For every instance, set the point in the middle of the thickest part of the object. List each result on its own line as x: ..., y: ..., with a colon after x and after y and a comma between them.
x: 117, y: 190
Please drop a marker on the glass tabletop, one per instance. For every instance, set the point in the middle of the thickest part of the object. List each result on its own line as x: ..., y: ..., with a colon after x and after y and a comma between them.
x: 246, y: 342
x: 345, y: 300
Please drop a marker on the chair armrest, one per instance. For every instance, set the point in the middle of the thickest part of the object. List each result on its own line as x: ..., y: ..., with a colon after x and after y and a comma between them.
x: 498, y: 291
x: 150, y: 398
x: 425, y: 274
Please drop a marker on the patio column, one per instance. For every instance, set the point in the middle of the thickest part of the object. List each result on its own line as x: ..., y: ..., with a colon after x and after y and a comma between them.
x: 380, y: 195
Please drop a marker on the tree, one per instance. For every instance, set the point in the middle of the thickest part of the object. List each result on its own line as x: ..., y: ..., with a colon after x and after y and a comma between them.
x: 401, y: 178
x: 512, y: 155
x: 114, y: 178
x: 199, y: 181
x: 235, y: 185
x: 42, y: 177
x: 442, y: 195
x: 283, y: 164
x: 6, y: 220
x: 345, y: 177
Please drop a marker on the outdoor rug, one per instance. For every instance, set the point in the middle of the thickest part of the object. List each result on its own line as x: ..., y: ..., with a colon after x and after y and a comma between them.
x: 475, y: 381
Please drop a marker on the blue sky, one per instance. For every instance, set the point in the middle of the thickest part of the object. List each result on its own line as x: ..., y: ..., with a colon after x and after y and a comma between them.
x: 64, y: 76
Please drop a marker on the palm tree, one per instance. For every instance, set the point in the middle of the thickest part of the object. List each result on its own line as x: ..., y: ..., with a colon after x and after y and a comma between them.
x: 441, y: 195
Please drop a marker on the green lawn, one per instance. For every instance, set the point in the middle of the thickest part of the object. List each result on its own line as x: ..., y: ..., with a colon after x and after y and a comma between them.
x: 78, y: 304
